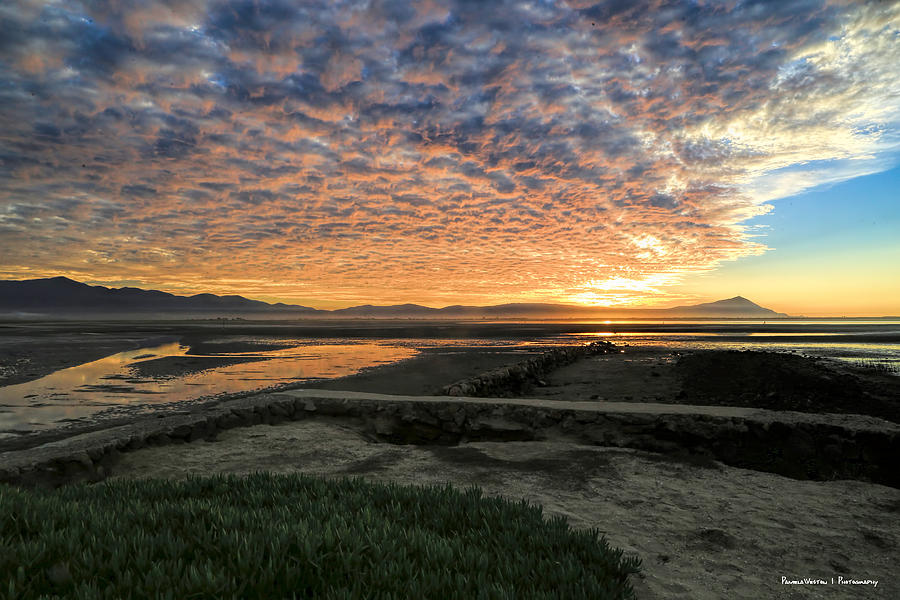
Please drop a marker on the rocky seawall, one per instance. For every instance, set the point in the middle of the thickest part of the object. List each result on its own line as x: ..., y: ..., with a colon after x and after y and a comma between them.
x: 797, y: 445
x: 509, y: 380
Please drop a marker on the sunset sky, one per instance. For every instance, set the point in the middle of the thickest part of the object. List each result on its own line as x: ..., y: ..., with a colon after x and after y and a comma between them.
x: 338, y: 153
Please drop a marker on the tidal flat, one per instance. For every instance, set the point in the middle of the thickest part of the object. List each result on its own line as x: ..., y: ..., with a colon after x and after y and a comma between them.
x: 704, y: 526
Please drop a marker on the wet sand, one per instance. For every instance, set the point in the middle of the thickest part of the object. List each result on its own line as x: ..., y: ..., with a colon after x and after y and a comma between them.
x: 26, y: 358
x: 636, y: 374
x: 423, y: 374
x: 179, y: 366
x: 428, y: 372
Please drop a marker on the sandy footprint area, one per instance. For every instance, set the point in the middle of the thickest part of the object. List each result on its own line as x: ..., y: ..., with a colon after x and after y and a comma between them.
x: 703, y: 531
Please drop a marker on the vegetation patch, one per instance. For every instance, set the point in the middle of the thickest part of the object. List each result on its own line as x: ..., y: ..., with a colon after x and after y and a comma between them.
x: 294, y: 536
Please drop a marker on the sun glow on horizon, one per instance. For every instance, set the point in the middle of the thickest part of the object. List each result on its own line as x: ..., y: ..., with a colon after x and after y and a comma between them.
x: 332, y: 154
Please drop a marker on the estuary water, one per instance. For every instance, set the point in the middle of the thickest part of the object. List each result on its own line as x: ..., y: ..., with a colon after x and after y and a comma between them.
x: 855, y: 341
x: 256, y: 356
x: 118, y: 383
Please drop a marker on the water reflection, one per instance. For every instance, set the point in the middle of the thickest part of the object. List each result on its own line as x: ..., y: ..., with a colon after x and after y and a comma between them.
x: 120, y: 381
x: 149, y: 378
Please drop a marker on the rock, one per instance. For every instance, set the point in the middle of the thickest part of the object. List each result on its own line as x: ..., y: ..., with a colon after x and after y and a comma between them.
x: 228, y: 420
x: 244, y: 414
x: 136, y: 443
x: 498, y: 424
x: 181, y: 432
x: 83, y: 459
x: 504, y: 381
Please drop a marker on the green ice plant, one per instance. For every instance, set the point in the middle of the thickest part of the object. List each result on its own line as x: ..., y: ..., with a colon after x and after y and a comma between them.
x: 294, y: 536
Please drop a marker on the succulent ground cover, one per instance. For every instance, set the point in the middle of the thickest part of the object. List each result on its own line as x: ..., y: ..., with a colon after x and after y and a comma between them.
x: 285, y: 536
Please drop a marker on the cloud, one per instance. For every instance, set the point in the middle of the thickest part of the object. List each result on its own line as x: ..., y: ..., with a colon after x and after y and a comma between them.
x: 437, y: 152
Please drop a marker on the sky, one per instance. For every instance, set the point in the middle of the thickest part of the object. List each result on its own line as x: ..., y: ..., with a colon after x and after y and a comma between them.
x: 614, y: 153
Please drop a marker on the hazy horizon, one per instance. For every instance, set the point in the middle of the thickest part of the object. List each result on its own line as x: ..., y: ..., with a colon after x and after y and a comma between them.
x: 578, y: 311
x: 331, y: 154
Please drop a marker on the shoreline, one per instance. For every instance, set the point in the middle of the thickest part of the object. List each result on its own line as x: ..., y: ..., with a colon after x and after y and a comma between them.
x: 49, y: 345
x: 638, y: 374
x: 704, y: 528
x: 422, y: 374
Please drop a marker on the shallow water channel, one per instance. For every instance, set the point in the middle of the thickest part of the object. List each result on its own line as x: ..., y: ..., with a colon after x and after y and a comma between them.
x: 146, y: 378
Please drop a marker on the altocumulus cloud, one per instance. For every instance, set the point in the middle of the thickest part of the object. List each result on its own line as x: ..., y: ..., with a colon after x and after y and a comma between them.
x: 432, y: 151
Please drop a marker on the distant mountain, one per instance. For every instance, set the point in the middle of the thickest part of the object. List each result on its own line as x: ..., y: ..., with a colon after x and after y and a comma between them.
x: 394, y: 311
x: 60, y: 296
x: 732, y: 307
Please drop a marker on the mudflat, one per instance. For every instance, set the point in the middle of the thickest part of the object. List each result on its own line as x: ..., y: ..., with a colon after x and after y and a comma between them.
x: 179, y: 366
x: 775, y: 381
x: 30, y: 350
x: 429, y: 371
x: 28, y: 357
x: 753, y: 379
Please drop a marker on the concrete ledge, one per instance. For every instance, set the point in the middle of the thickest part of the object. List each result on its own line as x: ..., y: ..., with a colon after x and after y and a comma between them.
x: 798, y: 445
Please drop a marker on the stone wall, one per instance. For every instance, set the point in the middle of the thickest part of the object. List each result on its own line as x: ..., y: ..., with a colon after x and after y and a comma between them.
x: 793, y: 444
x: 506, y: 381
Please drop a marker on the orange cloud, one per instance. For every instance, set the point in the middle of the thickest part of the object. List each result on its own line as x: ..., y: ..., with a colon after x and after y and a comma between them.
x: 435, y: 153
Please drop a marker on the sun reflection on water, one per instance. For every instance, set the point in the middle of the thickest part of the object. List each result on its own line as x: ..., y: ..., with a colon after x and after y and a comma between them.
x: 116, y: 382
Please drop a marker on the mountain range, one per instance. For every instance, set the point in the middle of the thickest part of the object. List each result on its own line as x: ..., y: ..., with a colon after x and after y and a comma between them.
x: 61, y: 296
